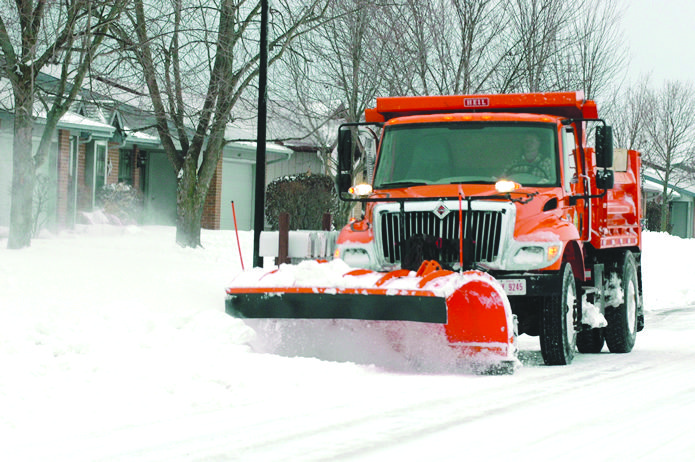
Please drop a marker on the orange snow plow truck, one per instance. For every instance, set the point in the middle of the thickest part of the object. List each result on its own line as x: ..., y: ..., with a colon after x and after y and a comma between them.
x: 487, y: 216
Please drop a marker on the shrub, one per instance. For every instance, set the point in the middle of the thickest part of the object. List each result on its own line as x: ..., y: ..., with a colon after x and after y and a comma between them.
x: 653, y: 214
x: 306, y: 197
x: 42, y: 207
x: 122, y: 201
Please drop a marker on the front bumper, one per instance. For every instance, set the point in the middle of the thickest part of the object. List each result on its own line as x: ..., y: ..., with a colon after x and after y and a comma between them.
x: 537, y: 284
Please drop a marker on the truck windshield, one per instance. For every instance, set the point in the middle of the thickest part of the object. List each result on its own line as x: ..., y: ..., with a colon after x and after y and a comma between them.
x: 467, y: 152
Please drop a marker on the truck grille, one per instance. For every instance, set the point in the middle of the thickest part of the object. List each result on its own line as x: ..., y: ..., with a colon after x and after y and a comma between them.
x: 485, y: 230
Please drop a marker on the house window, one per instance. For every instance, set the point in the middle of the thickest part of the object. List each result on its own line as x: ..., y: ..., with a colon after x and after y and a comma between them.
x: 95, y: 170
x: 125, y: 167
x: 72, y: 181
x: 100, y: 166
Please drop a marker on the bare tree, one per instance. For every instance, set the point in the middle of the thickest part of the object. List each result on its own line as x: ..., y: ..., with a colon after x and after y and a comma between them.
x: 34, y: 35
x: 536, y: 36
x: 334, y: 71
x: 669, y: 128
x: 624, y: 109
x: 440, y: 46
x: 595, y: 54
x: 467, y: 46
x: 347, y: 48
x: 305, y: 108
x: 198, y: 58
x: 333, y: 74
x: 408, y: 36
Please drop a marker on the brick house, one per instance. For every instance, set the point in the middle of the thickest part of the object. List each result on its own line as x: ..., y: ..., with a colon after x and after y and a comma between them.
x: 94, y: 146
x: 67, y: 181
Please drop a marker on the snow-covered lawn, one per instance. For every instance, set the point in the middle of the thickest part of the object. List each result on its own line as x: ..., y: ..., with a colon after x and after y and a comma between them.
x: 114, y: 345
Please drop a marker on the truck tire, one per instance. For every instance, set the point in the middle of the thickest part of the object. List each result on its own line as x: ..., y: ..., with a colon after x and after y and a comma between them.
x: 621, y: 330
x: 558, y: 333
x: 590, y: 341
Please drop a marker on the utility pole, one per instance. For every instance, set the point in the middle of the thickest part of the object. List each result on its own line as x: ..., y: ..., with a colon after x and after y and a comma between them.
x: 259, y: 202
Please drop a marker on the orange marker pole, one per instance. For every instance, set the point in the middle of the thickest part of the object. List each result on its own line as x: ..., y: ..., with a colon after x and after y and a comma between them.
x: 236, y: 231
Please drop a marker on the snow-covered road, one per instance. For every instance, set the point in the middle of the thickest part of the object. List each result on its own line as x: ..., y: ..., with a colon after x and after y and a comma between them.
x: 108, y: 360
x: 603, y: 407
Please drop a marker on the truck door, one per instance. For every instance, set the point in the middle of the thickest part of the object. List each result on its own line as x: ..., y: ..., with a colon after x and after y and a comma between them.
x: 572, y: 181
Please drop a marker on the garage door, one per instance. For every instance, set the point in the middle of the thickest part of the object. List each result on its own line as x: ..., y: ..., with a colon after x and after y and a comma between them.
x: 160, y: 191
x: 679, y: 219
x: 237, y: 186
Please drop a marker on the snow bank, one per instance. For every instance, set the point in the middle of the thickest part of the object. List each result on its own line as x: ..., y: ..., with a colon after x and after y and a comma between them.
x: 668, y: 267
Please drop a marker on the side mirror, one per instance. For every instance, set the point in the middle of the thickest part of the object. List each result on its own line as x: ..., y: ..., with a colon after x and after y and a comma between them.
x: 344, y: 177
x: 605, y: 179
x: 604, y: 146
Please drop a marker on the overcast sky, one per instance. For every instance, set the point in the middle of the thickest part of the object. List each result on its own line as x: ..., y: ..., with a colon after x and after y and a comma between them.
x: 661, y: 37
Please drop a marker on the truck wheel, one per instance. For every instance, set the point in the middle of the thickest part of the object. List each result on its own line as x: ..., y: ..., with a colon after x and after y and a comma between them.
x: 621, y: 330
x: 558, y: 334
x: 590, y: 341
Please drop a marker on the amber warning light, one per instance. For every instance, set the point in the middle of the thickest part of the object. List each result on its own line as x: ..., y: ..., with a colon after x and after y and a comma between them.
x: 476, y: 102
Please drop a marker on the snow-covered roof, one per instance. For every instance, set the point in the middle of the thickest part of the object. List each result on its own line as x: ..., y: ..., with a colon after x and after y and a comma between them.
x: 683, y: 187
x: 74, y: 121
x: 285, y: 122
x: 655, y: 187
x: 245, y: 151
x: 139, y: 137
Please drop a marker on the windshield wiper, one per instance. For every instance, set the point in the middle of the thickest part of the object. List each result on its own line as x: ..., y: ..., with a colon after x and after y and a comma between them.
x: 400, y: 184
x: 472, y: 182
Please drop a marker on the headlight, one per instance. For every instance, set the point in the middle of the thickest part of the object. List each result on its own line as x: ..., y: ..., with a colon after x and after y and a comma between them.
x: 529, y: 256
x: 505, y: 186
x: 357, y: 258
x: 361, y: 190
x: 536, y: 255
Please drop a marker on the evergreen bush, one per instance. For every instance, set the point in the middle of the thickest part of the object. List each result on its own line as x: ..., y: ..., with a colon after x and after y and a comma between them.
x: 306, y: 197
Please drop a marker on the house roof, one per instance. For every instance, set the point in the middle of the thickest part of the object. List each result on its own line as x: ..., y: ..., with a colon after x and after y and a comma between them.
x: 652, y: 182
x: 657, y: 187
x: 130, y: 120
x: 287, y: 126
x: 244, y: 150
x: 74, y: 121
x: 70, y: 121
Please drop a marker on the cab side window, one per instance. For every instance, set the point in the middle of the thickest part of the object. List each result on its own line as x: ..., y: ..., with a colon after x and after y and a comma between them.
x: 569, y: 148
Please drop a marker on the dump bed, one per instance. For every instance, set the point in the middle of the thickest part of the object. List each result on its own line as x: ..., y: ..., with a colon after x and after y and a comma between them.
x: 571, y: 105
x: 618, y: 214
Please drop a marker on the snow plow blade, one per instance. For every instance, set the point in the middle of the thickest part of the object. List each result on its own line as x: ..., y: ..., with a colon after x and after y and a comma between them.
x: 471, y: 307
x: 302, y: 303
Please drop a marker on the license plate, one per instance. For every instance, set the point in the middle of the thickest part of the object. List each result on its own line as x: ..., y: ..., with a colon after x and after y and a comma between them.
x: 514, y: 286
